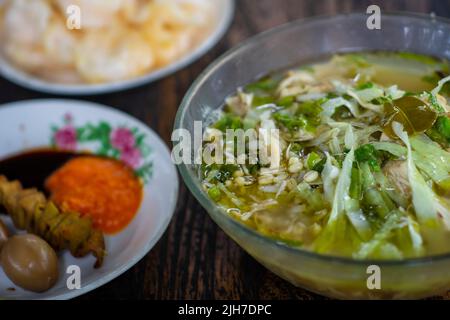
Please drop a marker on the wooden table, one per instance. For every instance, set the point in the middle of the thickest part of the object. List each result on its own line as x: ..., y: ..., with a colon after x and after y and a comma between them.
x: 195, y: 259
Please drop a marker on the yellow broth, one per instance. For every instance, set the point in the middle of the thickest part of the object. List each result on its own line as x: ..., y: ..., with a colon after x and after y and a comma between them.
x: 335, y: 112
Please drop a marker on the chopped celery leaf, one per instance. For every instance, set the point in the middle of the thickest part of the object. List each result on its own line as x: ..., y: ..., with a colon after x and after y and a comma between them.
x: 365, y: 85
x: 290, y: 122
x: 267, y: 84
x: 443, y: 127
x: 312, y: 160
x: 229, y: 121
x: 368, y: 153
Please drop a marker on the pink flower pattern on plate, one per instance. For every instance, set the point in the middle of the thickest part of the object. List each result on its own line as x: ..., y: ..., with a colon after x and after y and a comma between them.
x: 132, y: 157
x: 122, y: 139
x: 122, y: 143
x: 66, y: 138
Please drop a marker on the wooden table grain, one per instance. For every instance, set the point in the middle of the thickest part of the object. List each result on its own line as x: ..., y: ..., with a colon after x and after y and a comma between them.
x: 195, y: 259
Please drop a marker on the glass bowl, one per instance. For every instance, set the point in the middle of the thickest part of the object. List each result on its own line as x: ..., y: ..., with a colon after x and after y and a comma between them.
x: 297, y: 43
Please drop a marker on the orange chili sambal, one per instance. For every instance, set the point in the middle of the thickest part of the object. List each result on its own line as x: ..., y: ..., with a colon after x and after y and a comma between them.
x: 105, y: 189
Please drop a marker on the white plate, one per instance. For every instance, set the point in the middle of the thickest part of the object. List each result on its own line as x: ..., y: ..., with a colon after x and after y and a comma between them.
x: 31, y: 124
x: 225, y: 12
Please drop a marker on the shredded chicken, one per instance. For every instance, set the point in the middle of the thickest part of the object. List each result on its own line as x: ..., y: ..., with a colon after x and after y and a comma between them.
x: 240, y: 104
x: 397, y: 173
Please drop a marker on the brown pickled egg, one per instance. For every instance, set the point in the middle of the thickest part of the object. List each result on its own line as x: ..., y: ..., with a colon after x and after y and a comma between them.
x: 30, y: 262
x: 3, y: 234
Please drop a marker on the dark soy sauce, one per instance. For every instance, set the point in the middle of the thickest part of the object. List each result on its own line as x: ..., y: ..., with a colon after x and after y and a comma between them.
x: 33, y: 167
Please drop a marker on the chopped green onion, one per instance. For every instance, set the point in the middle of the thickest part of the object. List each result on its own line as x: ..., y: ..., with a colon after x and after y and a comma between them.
x: 312, y: 160
x: 214, y: 193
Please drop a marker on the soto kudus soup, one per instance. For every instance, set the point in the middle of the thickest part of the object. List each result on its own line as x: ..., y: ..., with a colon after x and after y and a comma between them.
x: 364, y: 157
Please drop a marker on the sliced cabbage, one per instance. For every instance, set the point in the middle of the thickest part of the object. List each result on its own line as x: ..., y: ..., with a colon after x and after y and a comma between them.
x: 366, y: 104
x: 329, y: 175
x: 330, y: 106
x: 399, y: 236
x: 431, y: 150
x: 370, y: 94
x: 335, y: 145
x: 357, y: 218
x: 424, y: 200
x: 394, y: 92
x: 441, y: 83
x: 334, y: 232
x: 350, y: 138
x: 312, y: 96
x: 340, y: 87
x: 323, y: 138
x: 432, y: 214
x: 428, y: 157
x: 415, y: 236
x: 393, y: 148
x: 368, y: 248
x: 431, y: 159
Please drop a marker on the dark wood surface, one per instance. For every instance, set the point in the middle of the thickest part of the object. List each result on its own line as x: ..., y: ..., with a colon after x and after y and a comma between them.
x: 195, y: 259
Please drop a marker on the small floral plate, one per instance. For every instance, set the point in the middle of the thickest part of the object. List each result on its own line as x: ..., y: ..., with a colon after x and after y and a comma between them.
x: 83, y: 126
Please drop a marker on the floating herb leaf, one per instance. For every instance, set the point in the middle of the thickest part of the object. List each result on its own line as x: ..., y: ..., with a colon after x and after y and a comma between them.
x: 415, y: 115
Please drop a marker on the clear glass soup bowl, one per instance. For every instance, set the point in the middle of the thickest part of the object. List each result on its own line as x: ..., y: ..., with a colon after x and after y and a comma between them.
x: 298, y: 43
